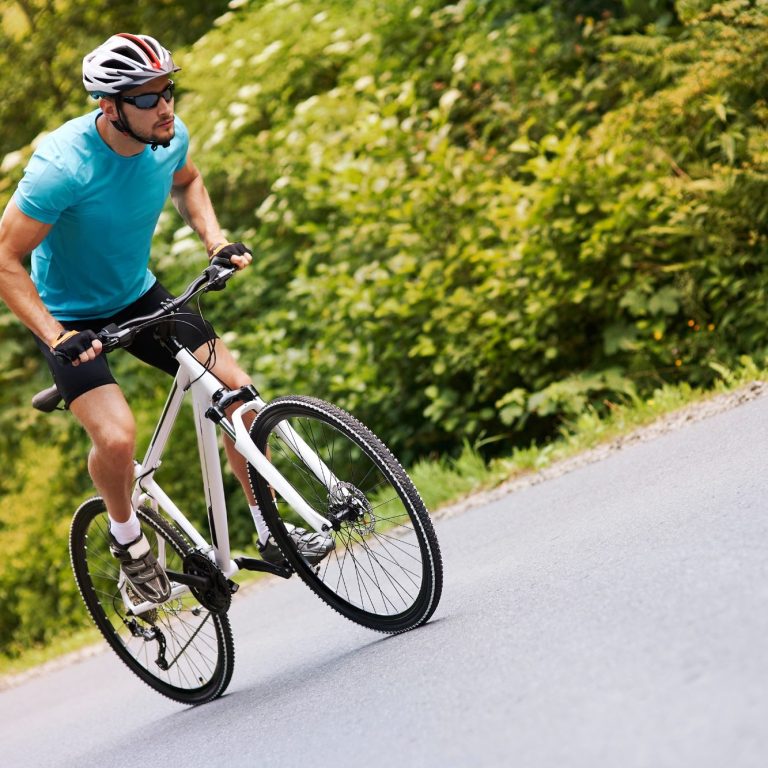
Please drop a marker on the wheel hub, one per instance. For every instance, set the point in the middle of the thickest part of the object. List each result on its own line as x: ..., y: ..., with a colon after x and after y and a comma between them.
x: 347, y: 503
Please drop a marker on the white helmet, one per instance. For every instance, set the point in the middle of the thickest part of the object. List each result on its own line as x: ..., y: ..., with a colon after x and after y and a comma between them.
x: 123, y: 62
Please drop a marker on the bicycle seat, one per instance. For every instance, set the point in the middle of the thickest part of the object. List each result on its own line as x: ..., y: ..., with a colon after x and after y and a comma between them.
x: 47, y: 400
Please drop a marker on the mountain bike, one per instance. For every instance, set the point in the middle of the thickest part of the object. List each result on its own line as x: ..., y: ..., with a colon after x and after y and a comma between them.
x: 309, y: 463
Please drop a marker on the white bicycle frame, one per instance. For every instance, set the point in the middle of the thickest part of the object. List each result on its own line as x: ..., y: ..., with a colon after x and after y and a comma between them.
x: 193, y: 377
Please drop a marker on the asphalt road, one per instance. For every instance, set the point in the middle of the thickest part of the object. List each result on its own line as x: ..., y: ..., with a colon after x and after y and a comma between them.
x: 615, y: 616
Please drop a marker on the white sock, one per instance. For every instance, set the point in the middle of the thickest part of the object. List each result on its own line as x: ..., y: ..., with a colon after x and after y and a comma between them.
x: 261, y: 525
x: 128, y: 531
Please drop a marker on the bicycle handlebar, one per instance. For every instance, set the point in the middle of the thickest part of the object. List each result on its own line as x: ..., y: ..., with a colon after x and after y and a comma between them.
x: 213, y: 278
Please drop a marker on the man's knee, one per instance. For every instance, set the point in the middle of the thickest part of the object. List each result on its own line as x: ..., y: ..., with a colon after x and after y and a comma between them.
x: 116, y: 441
x: 236, y: 377
x: 109, y: 422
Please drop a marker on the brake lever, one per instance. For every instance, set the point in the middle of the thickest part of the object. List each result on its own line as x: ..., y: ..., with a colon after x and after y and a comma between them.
x: 219, y: 271
x: 111, y: 337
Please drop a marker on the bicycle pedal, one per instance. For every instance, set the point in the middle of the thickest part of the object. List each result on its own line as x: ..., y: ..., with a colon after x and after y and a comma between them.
x: 233, y: 586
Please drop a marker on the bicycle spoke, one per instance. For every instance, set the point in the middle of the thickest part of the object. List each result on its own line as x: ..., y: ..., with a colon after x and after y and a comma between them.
x: 384, y: 570
x: 176, y: 647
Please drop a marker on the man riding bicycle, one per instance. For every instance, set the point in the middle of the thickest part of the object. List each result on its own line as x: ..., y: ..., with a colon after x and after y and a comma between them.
x: 86, y: 209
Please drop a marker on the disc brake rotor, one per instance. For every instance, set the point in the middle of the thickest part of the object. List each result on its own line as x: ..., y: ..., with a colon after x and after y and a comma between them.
x: 347, y: 503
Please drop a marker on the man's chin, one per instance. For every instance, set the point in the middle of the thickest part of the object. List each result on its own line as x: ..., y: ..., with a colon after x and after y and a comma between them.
x: 161, y: 137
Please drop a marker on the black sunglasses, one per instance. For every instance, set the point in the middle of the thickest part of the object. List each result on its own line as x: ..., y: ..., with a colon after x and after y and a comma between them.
x: 149, y: 100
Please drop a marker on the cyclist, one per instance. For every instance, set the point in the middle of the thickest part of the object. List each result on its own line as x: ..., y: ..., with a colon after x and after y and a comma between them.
x: 86, y: 210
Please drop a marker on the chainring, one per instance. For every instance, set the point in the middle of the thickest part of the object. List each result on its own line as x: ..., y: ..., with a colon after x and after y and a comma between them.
x: 217, y: 596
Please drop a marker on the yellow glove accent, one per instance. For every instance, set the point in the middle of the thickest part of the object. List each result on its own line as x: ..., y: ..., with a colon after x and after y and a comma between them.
x: 217, y: 248
x: 63, y: 336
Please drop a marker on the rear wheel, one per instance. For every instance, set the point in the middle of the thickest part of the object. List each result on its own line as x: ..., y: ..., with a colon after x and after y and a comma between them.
x: 179, y: 648
x: 385, y: 571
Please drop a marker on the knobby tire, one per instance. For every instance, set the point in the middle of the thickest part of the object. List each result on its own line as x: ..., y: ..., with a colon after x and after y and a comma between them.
x: 198, y: 643
x: 385, y: 571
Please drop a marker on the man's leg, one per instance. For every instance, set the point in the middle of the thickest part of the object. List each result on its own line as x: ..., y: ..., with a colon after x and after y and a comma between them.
x: 109, y: 422
x: 228, y: 370
x: 314, y: 546
x: 106, y: 417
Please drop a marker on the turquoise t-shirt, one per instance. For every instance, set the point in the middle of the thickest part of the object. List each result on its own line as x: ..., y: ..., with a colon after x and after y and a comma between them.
x: 104, y: 209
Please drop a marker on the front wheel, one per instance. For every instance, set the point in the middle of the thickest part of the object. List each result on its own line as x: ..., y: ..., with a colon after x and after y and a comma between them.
x: 179, y: 648
x: 385, y: 570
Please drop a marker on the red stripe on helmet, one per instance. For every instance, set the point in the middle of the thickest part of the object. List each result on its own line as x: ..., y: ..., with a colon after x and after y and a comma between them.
x: 144, y: 46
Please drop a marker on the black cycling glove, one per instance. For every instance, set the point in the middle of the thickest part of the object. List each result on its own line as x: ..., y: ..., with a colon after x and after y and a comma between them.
x: 225, y: 251
x: 71, y: 344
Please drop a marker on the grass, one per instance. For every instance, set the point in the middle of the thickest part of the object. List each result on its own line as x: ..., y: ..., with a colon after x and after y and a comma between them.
x: 38, y: 655
x: 446, y: 480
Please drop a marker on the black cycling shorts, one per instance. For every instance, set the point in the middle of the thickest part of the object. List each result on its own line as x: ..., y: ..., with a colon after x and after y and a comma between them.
x: 190, y: 328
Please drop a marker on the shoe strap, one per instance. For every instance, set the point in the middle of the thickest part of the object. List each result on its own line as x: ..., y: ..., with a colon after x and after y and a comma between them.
x: 138, y: 548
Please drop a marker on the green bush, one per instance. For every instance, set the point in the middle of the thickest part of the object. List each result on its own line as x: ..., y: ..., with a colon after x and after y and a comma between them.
x: 473, y: 223
x: 474, y: 220
x: 38, y: 596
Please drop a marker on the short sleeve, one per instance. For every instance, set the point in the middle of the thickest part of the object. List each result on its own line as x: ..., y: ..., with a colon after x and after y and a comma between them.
x: 182, y: 136
x: 44, y: 191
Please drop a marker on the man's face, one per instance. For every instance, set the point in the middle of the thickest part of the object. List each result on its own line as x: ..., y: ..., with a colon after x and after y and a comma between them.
x: 156, y: 123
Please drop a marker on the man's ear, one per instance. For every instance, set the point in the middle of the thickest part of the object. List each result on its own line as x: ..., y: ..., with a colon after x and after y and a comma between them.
x: 109, y: 108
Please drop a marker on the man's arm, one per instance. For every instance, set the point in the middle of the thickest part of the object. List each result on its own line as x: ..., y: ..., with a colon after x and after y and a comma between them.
x: 19, y: 235
x: 192, y: 201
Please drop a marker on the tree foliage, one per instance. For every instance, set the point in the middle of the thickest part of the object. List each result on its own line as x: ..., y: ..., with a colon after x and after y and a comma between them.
x: 477, y: 218
x: 42, y: 43
x: 472, y: 221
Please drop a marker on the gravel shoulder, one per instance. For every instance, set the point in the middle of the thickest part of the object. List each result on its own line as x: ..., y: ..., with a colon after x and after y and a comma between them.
x: 669, y: 423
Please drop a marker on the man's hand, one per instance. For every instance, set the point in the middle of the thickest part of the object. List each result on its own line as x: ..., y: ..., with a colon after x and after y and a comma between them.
x: 237, y: 254
x: 76, y: 347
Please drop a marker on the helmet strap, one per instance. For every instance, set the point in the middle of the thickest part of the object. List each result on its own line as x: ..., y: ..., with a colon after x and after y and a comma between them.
x: 122, y: 125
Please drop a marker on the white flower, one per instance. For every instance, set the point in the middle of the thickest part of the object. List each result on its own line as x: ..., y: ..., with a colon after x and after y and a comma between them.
x: 459, y: 62
x: 36, y: 141
x: 219, y: 132
x: 363, y: 82
x: 266, y: 206
x: 449, y: 98
x: 11, y: 160
x: 342, y: 47
x: 218, y: 59
x: 247, y: 91
x: 181, y: 246
x: 305, y: 106
x: 225, y: 19
x: 236, y: 109
x: 268, y: 52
